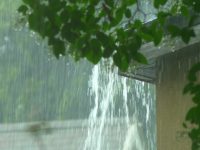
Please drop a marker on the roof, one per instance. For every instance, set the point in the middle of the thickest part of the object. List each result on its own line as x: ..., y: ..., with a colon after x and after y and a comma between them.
x: 147, y: 73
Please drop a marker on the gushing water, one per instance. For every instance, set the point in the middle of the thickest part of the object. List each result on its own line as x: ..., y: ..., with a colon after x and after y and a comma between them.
x: 133, y: 139
x: 102, y: 90
x: 116, y: 121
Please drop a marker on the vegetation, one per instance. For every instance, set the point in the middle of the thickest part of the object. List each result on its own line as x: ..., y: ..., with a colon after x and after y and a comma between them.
x: 95, y: 30
x: 101, y: 29
x: 193, y: 88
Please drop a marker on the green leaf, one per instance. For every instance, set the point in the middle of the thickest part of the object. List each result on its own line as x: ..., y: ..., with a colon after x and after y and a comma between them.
x: 23, y: 9
x: 130, y: 2
x: 121, y: 60
x: 139, y: 57
x: 56, y: 6
x: 193, y: 115
x: 107, y: 42
x: 128, y: 13
x: 196, y: 6
x: 174, y: 30
x: 158, y: 34
x: 90, y: 13
x: 93, y: 51
x: 121, y: 35
x: 106, y: 25
x: 119, y: 14
x: 145, y: 34
x: 188, y: 88
x: 29, y: 2
x: 108, y: 51
x: 184, y: 11
x: 195, y: 89
x: 175, y: 8
x: 157, y: 3
x: 93, y: 2
x: 110, y: 3
x: 186, y: 34
x: 194, y: 134
x: 184, y: 125
x: 134, y: 43
x: 188, y: 2
x: 58, y: 47
x: 193, y: 71
x: 102, y: 37
x: 162, y: 17
x: 146, y: 37
x: 193, y: 20
x: 68, y: 34
x: 137, y: 24
x: 196, y: 98
x: 35, y: 21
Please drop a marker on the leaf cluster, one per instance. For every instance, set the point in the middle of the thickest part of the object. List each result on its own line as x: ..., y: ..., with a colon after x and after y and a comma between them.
x: 192, y: 116
x: 92, y: 29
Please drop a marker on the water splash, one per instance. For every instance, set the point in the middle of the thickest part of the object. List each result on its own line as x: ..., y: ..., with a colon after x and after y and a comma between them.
x: 103, y: 91
x: 116, y: 101
x: 133, y: 140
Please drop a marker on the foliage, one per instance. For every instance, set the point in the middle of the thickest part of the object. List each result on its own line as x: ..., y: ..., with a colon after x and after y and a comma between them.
x: 101, y: 29
x: 95, y: 30
x: 193, y: 88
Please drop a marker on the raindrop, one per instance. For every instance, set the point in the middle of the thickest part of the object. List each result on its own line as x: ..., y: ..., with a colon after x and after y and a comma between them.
x: 32, y: 34
x: 6, y: 38
x: 2, y: 48
x: 172, y: 48
x: 179, y: 65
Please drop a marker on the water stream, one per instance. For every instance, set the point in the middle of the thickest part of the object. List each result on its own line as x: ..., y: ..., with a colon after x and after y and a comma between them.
x: 131, y: 116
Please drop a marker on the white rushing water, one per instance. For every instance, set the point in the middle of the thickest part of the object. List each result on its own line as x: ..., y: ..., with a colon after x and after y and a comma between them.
x: 130, y: 124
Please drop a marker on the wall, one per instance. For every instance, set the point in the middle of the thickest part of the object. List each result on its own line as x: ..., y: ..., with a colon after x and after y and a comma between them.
x: 172, y: 105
